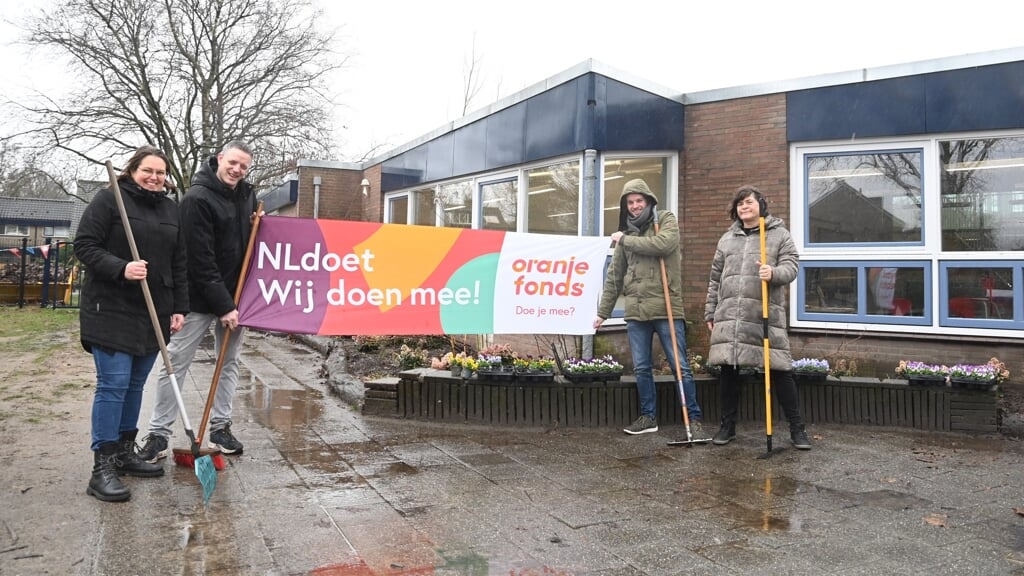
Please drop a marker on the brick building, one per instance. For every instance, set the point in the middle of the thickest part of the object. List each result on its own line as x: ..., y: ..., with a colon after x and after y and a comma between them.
x: 903, y: 187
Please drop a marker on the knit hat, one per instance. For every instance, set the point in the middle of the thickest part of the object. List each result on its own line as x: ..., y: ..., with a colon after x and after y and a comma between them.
x: 635, y: 186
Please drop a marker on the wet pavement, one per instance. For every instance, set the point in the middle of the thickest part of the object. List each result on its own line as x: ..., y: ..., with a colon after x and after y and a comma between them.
x: 323, y: 490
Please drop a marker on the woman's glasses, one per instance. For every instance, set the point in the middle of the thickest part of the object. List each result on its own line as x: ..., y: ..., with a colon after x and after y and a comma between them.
x: 151, y: 172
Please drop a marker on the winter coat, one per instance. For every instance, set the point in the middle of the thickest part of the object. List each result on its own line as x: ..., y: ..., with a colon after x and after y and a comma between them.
x: 113, y: 312
x: 734, y: 296
x: 635, y: 270
x: 217, y: 225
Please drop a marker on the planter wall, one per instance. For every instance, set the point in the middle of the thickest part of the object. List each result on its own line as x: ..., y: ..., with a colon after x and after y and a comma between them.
x: 434, y: 395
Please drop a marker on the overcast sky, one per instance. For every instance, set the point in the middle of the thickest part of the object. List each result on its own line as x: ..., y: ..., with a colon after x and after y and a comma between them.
x: 405, y: 74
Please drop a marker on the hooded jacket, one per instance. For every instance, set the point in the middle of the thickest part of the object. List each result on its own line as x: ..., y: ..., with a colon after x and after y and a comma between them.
x: 113, y: 311
x: 217, y: 225
x: 734, y: 296
x: 635, y: 269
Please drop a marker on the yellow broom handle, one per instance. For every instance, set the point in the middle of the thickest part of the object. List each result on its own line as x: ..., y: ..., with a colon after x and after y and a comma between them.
x: 764, y: 320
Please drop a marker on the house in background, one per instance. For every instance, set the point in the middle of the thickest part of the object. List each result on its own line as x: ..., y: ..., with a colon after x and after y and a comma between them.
x: 909, y: 177
x: 39, y: 221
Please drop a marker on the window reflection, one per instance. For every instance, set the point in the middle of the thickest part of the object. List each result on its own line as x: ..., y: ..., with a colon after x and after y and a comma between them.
x: 456, y: 204
x: 498, y: 205
x: 896, y: 291
x: 399, y: 208
x: 424, y: 207
x: 618, y: 171
x: 830, y: 290
x: 553, y: 199
x: 980, y: 292
x: 982, y: 194
x: 861, y: 198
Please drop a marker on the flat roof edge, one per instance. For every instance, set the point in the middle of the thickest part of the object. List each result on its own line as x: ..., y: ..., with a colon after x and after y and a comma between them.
x: 860, y: 75
x: 306, y: 163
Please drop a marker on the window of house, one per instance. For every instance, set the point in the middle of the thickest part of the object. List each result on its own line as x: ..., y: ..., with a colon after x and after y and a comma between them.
x: 895, y: 235
x: 398, y: 209
x: 455, y: 201
x: 15, y: 230
x: 618, y: 170
x: 499, y: 203
x: 982, y: 188
x: 883, y: 187
x: 553, y: 199
x: 56, y: 231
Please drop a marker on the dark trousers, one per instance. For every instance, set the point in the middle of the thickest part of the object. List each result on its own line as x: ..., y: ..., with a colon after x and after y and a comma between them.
x: 783, y: 388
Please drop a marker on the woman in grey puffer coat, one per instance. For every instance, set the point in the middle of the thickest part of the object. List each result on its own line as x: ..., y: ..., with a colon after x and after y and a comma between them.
x: 733, y: 310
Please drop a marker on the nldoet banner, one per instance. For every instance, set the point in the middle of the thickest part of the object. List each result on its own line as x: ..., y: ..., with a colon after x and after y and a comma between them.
x: 335, y: 277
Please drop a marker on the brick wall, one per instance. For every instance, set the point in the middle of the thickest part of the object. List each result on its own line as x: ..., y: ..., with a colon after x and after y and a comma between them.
x: 341, y: 196
x: 728, y: 144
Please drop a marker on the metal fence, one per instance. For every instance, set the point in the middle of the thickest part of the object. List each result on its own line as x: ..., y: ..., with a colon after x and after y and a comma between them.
x: 48, y: 276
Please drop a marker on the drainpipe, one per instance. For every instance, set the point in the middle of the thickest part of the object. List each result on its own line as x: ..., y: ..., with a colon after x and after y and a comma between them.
x: 316, y: 196
x: 589, y: 207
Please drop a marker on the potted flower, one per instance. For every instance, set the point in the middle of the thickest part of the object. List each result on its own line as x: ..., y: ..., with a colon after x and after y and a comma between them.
x: 537, y: 370
x: 592, y: 369
x: 922, y: 374
x: 978, y: 376
x: 491, y: 367
x: 811, y: 368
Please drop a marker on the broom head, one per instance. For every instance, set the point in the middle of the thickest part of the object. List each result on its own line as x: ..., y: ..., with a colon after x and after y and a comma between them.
x: 185, y: 458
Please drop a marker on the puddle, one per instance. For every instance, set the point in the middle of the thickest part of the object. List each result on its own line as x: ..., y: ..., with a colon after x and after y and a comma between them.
x: 758, y: 503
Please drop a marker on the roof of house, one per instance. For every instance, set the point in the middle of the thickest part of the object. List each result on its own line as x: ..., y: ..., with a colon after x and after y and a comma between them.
x: 36, y: 211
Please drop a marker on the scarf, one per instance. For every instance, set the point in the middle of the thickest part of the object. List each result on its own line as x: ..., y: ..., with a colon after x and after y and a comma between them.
x: 636, y: 226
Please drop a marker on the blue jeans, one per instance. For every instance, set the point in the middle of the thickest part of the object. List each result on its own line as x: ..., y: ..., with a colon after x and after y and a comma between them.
x: 641, y: 339
x: 118, y: 399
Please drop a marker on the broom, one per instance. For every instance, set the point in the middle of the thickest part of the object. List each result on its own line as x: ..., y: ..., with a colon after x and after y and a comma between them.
x: 182, y: 456
x: 203, y: 467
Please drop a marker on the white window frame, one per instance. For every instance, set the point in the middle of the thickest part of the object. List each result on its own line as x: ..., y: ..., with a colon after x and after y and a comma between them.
x: 929, y: 250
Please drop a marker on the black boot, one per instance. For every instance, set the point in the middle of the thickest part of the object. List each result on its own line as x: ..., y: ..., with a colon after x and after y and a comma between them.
x: 129, y: 462
x: 725, y: 434
x: 798, y: 436
x: 104, y: 484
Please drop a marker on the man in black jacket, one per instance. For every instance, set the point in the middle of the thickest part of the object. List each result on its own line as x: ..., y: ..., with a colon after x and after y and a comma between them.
x: 216, y: 215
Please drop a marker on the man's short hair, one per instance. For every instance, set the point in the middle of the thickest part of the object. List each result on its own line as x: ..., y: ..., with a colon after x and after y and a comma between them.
x: 237, y: 145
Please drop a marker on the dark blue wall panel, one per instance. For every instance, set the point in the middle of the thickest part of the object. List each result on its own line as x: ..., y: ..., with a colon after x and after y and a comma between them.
x: 590, y: 111
x: 881, y: 108
x: 440, y: 153
x: 981, y: 98
x: 506, y: 131
x: 638, y: 120
x: 550, y: 121
x: 469, y: 150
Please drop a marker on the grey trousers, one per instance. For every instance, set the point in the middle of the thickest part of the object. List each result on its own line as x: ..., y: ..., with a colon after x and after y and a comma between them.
x: 182, y: 348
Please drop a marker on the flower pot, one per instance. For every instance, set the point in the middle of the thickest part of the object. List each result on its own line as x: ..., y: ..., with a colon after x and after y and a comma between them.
x: 926, y: 380
x: 972, y: 383
x: 495, y: 375
x: 809, y: 376
x: 456, y: 371
x: 580, y: 377
x: 534, y: 376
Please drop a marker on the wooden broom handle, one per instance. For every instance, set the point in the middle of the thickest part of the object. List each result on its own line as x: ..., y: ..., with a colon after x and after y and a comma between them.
x: 227, y: 337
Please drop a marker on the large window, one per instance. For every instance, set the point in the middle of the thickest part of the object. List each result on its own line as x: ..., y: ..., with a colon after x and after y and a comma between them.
x: 553, y: 199
x: 498, y: 204
x: 618, y: 170
x: 15, y: 230
x: 884, y: 188
x: 895, y: 235
x: 982, y: 194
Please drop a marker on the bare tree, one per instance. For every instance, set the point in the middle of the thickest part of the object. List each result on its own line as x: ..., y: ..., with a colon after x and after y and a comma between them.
x: 472, y: 81
x: 188, y: 76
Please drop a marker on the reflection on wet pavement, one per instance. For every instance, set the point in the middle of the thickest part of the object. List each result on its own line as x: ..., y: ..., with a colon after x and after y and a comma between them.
x: 323, y: 490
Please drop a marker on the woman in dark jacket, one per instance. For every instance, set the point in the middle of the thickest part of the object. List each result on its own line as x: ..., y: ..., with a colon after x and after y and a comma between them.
x: 115, y: 323
x: 733, y: 310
